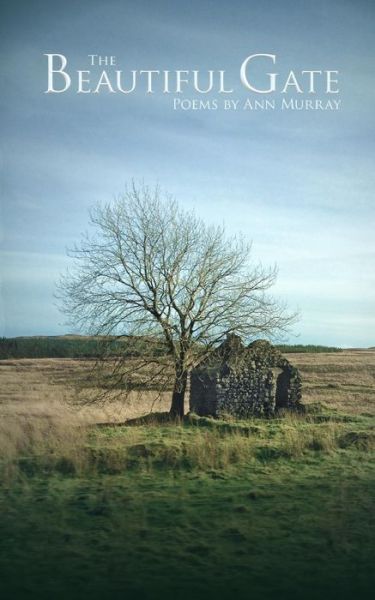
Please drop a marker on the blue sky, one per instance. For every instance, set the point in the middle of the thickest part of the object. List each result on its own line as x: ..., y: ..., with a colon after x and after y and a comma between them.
x: 299, y: 184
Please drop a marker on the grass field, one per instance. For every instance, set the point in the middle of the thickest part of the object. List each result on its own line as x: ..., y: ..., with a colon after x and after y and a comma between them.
x: 282, y: 508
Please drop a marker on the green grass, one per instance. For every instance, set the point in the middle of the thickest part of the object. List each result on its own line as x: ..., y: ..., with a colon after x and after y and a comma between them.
x: 205, y: 509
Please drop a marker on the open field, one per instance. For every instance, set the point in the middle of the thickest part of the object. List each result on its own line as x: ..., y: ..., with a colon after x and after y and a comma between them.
x: 343, y: 381
x: 46, y: 386
x: 280, y: 508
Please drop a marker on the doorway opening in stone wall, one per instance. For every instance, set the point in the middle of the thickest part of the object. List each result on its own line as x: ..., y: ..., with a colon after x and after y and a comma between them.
x: 282, y: 389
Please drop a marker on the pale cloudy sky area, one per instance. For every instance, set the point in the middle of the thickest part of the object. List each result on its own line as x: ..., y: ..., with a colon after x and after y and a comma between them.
x: 299, y: 184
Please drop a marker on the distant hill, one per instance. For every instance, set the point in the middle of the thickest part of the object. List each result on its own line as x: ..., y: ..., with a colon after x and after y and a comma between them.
x: 286, y: 348
x: 84, y: 346
x: 77, y: 346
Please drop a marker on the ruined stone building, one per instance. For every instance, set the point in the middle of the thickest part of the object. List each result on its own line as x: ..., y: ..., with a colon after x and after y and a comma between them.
x: 244, y: 381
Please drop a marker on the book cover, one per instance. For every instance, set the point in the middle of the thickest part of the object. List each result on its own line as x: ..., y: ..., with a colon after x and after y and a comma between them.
x: 164, y: 147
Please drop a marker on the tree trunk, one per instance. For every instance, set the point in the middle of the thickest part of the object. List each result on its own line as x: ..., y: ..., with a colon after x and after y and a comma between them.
x: 178, y: 396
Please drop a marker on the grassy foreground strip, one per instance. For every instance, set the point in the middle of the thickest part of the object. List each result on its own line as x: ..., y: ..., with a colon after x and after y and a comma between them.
x: 203, y: 509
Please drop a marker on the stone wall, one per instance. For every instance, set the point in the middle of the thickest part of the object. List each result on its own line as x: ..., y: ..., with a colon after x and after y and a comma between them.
x: 248, y: 393
x: 243, y: 382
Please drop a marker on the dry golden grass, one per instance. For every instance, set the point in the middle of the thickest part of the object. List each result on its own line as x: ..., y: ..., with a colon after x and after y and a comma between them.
x: 344, y: 380
x: 39, y: 413
x: 47, y: 387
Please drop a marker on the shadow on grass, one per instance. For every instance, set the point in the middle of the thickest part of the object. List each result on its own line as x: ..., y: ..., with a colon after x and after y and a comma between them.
x: 189, y: 420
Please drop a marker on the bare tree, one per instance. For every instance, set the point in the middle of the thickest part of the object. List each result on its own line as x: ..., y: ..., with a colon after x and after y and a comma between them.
x: 153, y: 269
